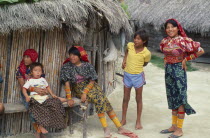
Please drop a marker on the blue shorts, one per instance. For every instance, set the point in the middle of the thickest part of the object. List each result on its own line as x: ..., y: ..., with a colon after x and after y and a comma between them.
x: 134, y: 80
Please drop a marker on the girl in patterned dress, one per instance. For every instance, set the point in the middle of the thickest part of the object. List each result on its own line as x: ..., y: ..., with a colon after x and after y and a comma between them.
x: 80, y: 77
x: 178, y: 49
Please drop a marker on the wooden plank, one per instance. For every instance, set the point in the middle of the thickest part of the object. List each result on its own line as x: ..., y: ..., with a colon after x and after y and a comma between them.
x: 18, y: 107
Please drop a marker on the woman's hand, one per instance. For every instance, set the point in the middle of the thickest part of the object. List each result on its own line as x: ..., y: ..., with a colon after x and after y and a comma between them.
x: 70, y: 103
x: 28, y: 99
x: 123, y: 64
x: 83, y: 97
x: 184, y: 65
x: 41, y: 91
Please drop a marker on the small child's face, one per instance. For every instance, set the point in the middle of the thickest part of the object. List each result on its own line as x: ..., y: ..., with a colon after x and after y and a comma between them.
x: 74, y: 58
x: 27, y: 60
x: 36, y: 72
x: 138, y: 41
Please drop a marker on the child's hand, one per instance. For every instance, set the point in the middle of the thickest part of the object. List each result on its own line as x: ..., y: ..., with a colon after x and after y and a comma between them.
x: 70, y: 103
x: 83, y: 97
x: 123, y: 64
x: 54, y: 96
x: 28, y: 99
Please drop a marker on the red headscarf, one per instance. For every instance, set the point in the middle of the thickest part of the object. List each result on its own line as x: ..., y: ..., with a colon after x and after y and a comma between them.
x: 83, y: 53
x: 33, y: 55
x: 182, y: 32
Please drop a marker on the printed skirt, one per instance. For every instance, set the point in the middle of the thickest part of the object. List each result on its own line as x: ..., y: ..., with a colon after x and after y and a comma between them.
x: 95, y: 96
x: 50, y: 113
x: 176, y: 87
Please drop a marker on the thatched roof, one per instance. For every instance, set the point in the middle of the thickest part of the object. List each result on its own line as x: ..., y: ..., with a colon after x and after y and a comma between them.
x: 48, y: 14
x: 192, y: 14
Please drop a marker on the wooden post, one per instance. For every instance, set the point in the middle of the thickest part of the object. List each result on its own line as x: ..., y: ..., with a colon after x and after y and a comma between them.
x: 9, y: 47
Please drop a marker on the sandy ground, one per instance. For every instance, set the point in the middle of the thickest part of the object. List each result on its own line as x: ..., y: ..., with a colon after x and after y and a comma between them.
x: 156, y: 115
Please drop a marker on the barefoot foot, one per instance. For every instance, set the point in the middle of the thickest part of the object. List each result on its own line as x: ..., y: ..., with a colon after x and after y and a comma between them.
x: 107, y: 133
x: 138, y: 126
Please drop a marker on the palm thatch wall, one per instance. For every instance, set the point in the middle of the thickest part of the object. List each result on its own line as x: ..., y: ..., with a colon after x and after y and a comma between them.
x: 192, y: 14
x: 51, y: 27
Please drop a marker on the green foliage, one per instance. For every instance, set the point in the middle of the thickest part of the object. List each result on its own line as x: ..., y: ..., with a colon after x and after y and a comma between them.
x: 125, y: 8
x: 157, y: 61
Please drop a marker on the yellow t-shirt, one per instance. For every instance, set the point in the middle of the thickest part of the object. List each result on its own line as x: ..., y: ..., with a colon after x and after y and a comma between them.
x: 135, y: 61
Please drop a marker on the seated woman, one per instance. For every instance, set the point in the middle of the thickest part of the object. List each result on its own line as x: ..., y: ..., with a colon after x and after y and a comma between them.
x: 23, y: 74
x: 80, y: 77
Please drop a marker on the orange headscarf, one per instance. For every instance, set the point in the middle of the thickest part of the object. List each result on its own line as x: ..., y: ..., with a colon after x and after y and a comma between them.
x: 83, y: 53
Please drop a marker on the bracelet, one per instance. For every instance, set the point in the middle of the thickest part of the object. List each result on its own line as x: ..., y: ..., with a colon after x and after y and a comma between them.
x: 31, y: 89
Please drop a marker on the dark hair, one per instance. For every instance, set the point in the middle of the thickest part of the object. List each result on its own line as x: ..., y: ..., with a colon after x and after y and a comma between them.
x: 174, y: 23
x: 36, y: 64
x: 73, y: 50
x: 144, y: 36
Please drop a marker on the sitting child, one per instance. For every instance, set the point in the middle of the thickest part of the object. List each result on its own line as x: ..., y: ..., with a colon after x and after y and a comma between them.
x: 42, y: 105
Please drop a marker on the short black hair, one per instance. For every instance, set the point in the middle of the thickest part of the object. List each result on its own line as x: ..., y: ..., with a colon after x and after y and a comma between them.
x: 144, y: 36
x: 35, y: 64
x: 174, y: 23
x: 73, y: 50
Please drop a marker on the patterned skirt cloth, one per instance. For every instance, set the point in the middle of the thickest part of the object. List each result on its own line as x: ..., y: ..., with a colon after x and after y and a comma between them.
x: 95, y: 96
x: 176, y: 87
x: 50, y: 113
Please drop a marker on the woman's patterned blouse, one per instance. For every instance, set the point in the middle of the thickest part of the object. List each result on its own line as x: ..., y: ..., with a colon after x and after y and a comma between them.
x: 75, y: 74
x: 176, y: 49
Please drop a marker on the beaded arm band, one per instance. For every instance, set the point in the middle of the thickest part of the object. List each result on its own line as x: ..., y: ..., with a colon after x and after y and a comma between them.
x: 88, y: 88
x: 68, y: 92
x: 192, y: 56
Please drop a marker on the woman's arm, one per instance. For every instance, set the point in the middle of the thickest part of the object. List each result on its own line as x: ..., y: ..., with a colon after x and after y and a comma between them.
x: 68, y: 94
x: 24, y: 91
x: 86, y: 90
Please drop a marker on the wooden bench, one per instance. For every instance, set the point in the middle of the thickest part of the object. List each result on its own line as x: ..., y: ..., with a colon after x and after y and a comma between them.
x: 19, y: 108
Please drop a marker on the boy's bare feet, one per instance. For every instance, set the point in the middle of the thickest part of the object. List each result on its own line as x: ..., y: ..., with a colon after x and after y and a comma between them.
x: 107, y: 133
x: 138, y: 126
x: 43, y: 130
x: 123, y: 122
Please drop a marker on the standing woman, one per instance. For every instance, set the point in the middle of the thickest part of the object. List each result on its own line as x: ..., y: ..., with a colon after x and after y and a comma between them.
x: 23, y: 73
x: 178, y: 49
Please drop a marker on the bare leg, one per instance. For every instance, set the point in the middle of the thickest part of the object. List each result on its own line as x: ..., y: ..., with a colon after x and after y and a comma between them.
x: 126, y: 98
x: 139, y: 107
x: 178, y: 131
